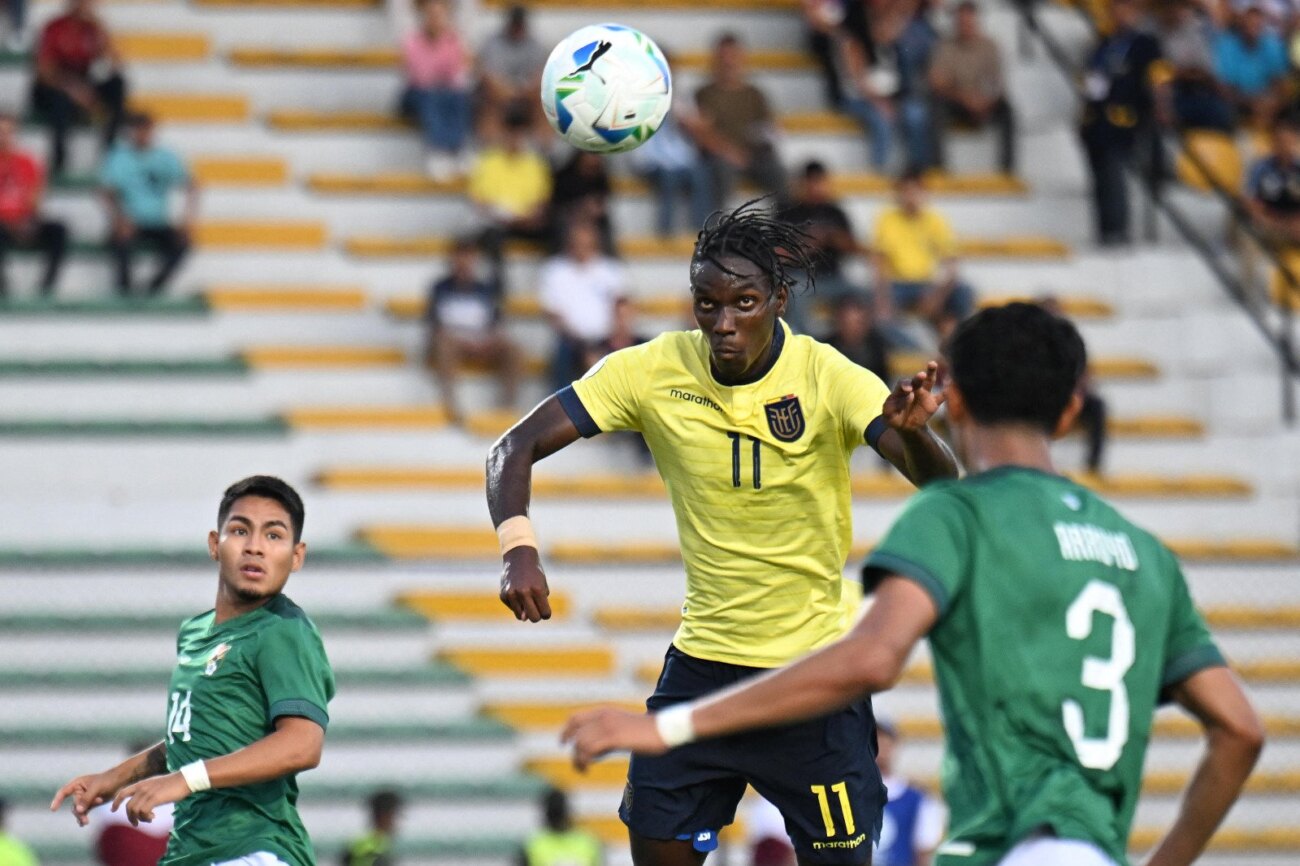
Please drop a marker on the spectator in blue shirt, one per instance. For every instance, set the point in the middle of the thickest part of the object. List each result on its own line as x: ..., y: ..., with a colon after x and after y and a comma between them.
x: 671, y: 164
x: 1273, y: 185
x: 137, y: 179
x: 463, y: 316
x: 1251, y: 61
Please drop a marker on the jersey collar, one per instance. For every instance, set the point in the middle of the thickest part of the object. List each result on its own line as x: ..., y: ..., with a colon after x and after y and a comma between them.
x: 778, y: 346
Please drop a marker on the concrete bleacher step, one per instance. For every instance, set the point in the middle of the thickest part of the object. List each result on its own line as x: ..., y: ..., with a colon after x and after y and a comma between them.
x: 208, y: 170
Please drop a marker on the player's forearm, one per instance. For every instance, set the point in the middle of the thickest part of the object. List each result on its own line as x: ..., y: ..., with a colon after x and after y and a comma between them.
x: 1215, y: 786
x: 509, y: 477
x: 142, y: 765
x: 274, y: 756
x: 926, y: 457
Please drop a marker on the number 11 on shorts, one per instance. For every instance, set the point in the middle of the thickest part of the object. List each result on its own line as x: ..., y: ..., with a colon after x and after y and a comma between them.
x: 824, y: 802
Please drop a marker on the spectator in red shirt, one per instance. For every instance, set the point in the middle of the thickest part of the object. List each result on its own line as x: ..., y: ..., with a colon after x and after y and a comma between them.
x: 22, y: 183
x: 78, y: 77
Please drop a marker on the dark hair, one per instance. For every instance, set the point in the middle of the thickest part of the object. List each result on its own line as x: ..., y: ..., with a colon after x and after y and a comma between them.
x: 756, y: 234
x: 911, y: 175
x: 268, y: 487
x: 555, y: 809
x: 384, y: 803
x: 967, y: 6
x: 517, y: 15
x: 137, y: 118
x: 1017, y: 364
x: 517, y: 116
x: 814, y: 168
x: 726, y: 38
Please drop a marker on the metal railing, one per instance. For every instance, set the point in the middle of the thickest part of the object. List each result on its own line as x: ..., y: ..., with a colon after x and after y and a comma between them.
x: 1274, y: 322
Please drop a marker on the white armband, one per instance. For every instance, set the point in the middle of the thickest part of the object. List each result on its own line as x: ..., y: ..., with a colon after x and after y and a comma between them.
x: 675, y: 726
x: 196, y: 777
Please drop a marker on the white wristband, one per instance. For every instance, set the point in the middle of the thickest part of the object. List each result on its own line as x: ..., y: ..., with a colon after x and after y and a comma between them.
x: 675, y: 726
x: 196, y: 777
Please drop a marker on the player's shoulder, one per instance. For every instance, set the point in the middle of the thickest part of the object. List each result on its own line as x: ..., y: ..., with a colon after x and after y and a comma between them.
x: 287, y: 618
x: 674, y: 348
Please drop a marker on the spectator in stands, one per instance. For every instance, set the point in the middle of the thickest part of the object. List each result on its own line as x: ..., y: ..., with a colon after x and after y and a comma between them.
x: 78, y: 77
x: 463, y: 315
x: 968, y: 86
x: 1124, y: 94
x: 1273, y: 185
x: 915, y: 258
x: 1251, y: 61
x: 914, y: 819
x: 671, y: 163
x: 1198, y: 100
x: 510, y: 71
x: 12, y: 851
x: 855, y: 334
x: 16, y: 38
x: 828, y: 21
x: 559, y: 843
x: 376, y: 847
x: 22, y: 186
x: 815, y: 211
x: 118, y: 843
x: 738, y: 129
x: 510, y: 188
x: 583, y: 294
x: 580, y: 191
x: 137, y: 180
x: 437, y: 94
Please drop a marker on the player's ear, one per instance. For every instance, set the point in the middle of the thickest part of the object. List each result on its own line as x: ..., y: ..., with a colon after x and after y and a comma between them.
x: 1071, y: 414
x: 212, y: 544
x: 955, y: 402
x: 299, y: 555
x: 782, y: 296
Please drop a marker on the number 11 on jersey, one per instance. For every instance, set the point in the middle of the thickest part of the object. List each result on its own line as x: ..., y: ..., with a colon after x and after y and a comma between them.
x: 735, y: 461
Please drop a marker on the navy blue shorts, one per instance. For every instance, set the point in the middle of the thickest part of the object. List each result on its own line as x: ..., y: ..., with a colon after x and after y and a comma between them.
x: 820, y: 774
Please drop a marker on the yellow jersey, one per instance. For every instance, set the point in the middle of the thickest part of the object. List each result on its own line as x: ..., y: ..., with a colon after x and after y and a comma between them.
x: 515, y: 183
x: 914, y: 246
x: 758, y: 476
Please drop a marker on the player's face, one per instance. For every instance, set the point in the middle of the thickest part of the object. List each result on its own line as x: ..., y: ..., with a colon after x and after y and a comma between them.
x: 255, y: 549
x: 737, y: 312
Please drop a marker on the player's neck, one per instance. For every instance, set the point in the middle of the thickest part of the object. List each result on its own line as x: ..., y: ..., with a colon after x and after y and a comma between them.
x: 1007, y: 445
x: 229, y: 607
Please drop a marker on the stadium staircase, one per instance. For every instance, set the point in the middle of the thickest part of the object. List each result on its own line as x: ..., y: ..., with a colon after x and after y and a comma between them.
x: 292, y: 347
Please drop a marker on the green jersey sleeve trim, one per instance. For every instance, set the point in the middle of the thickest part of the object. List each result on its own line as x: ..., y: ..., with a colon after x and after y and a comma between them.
x: 298, y: 707
x: 879, y: 565
x: 1193, y: 661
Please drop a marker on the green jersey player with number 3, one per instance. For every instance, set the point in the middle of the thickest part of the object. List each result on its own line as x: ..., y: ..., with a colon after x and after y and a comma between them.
x: 247, y: 705
x: 1055, y: 624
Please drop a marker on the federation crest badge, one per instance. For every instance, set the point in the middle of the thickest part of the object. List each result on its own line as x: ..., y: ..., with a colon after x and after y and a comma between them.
x: 214, y: 660
x: 785, y: 418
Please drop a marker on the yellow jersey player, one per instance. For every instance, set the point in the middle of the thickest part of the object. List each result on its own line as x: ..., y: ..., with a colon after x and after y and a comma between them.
x: 752, y: 429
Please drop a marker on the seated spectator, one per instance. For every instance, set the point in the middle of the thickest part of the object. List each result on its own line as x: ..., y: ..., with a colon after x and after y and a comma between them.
x: 814, y: 210
x: 855, y: 334
x: 375, y: 848
x: 1251, y: 61
x: 78, y: 78
x: 137, y: 179
x: 436, y: 97
x: 887, y: 87
x: 738, y: 131
x: 915, y: 258
x: 1186, y: 40
x: 510, y: 73
x: 583, y: 295
x: 559, y: 841
x: 1273, y: 185
x: 13, y: 851
x: 580, y: 193
x: 22, y: 186
x: 914, y: 819
x: 1124, y: 95
x: 510, y: 188
x: 968, y: 87
x: 671, y: 164
x: 827, y: 21
x: 464, y: 320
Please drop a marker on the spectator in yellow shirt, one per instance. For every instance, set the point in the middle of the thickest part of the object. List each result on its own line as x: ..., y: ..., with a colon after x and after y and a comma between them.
x: 915, y: 258
x: 12, y: 851
x: 510, y: 187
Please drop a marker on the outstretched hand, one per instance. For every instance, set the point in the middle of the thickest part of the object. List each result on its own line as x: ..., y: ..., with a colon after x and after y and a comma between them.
x: 143, y: 797
x: 86, y: 793
x: 523, y: 585
x: 597, y: 732
x: 913, y: 402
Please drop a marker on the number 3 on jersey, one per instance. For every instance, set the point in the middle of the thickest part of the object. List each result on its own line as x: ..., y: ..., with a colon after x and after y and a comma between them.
x: 1104, y: 674
x: 178, y: 720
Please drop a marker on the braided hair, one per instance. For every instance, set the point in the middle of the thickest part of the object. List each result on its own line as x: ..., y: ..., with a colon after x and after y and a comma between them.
x: 754, y: 233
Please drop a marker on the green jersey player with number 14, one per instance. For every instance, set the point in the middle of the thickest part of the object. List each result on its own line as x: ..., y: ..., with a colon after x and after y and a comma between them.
x: 247, y: 704
x: 1055, y: 624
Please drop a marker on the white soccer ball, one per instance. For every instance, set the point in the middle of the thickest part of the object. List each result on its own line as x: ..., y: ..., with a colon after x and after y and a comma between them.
x: 606, y: 88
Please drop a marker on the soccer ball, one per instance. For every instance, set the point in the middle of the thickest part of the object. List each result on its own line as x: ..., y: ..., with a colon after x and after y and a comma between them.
x: 606, y: 88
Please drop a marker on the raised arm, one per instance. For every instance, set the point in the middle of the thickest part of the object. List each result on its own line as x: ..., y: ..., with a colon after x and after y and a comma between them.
x: 295, y: 745
x: 1234, y: 737
x: 908, y: 442
x: 544, y: 431
x: 89, y: 791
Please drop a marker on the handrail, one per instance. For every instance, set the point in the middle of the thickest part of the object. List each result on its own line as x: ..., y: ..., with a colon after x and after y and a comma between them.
x: 1281, y: 343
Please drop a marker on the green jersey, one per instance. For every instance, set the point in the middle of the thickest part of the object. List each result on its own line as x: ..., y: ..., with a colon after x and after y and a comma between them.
x: 1060, y: 624
x: 231, y: 682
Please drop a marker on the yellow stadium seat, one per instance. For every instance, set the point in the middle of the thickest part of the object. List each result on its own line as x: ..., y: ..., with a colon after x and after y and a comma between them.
x: 1220, y: 155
